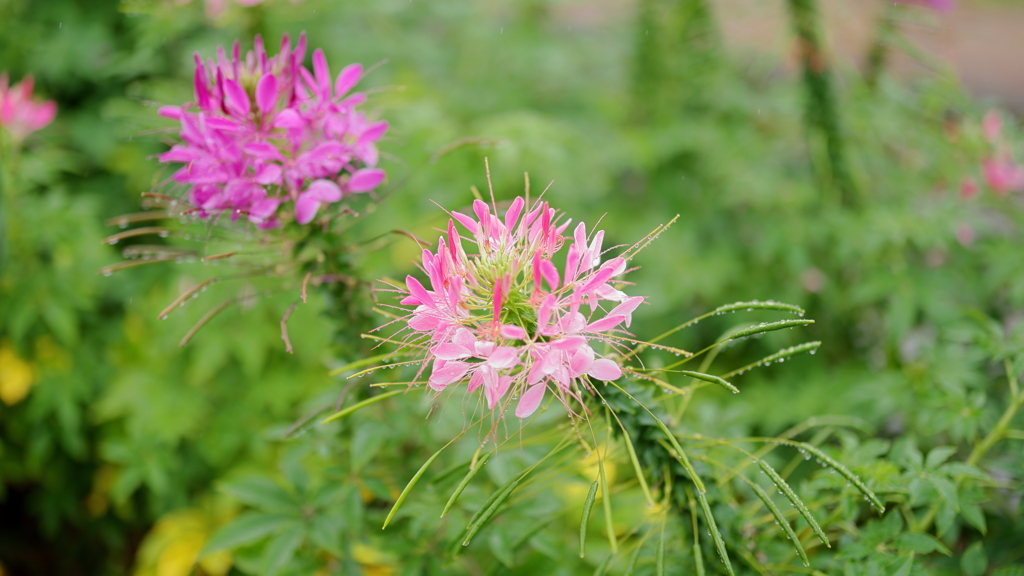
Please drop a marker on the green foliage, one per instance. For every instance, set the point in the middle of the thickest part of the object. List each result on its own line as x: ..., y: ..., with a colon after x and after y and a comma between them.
x: 918, y: 328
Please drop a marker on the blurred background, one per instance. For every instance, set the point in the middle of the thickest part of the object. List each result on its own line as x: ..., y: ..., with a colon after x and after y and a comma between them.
x: 830, y: 154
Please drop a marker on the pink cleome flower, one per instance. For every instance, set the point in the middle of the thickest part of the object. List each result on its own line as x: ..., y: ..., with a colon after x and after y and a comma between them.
x: 19, y: 114
x: 506, y: 318
x: 265, y: 130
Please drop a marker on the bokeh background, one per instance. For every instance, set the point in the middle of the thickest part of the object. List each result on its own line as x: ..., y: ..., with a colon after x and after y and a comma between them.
x: 799, y: 172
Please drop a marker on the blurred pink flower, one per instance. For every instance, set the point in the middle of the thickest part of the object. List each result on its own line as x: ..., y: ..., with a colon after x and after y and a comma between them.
x: 992, y: 125
x: 506, y: 318
x: 968, y: 189
x: 19, y: 114
x: 264, y: 130
x: 1003, y: 174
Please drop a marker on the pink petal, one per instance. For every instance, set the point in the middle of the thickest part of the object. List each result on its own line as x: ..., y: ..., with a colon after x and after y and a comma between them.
x: 447, y: 373
x: 306, y: 208
x: 288, y: 118
x: 348, y: 78
x: 512, y: 215
x: 266, y: 93
x: 373, y: 133
x: 364, y: 180
x: 172, y: 112
x: 324, y: 191
x: 237, y: 99
x: 512, y: 332
x: 449, y: 351
x: 606, y: 323
x: 530, y: 401
x: 604, y: 369
x: 323, y: 73
x: 418, y: 291
x: 568, y: 344
x: 503, y: 357
x: 263, y: 151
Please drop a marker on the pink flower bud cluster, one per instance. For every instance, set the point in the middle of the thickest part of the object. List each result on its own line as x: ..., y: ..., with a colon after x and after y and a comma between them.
x: 507, y: 318
x: 19, y: 114
x: 265, y: 130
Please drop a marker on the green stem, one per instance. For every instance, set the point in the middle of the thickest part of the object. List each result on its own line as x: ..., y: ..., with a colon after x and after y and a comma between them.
x: 878, y: 54
x: 8, y: 166
x: 822, y: 113
x: 999, y: 432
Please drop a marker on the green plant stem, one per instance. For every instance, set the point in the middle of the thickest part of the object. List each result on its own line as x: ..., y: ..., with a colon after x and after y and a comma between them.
x: 822, y: 112
x: 878, y: 54
x: 999, y: 432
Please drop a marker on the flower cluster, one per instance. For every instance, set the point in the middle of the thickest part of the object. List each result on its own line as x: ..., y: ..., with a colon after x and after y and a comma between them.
x: 1002, y: 173
x: 265, y: 130
x: 506, y: 318
x: 19, y: 114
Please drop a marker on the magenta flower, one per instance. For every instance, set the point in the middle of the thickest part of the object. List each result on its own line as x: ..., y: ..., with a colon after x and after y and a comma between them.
x: 507, y: 318
x: 19, y: 114
x: 264, y: 131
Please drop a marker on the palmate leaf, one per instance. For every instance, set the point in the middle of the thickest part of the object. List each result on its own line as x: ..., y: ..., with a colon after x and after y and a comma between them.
x: 261, y: 493
x: 248, y: 528
x: 282, y: 548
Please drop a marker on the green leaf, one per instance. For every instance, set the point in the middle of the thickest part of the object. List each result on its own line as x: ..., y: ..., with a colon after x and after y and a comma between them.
x: 974, y: 516
x: 946, y: 489
x: 902, y: 567
x: 325, y: 532
x: 938, y: 455
x: 282, y: 548
x: 367, y: 441
x: 498, y: 543
x: 246, y: 529
x: 974, y: 561
x: 920, y: 543
x: 261, y: 492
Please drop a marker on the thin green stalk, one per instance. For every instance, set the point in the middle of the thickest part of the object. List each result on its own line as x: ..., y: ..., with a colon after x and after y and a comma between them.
x: 822, y: 112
